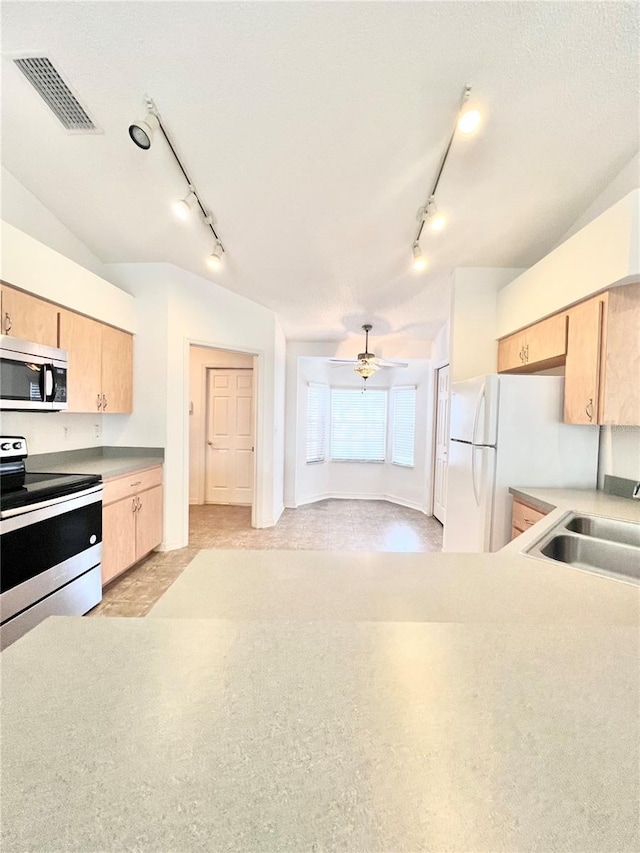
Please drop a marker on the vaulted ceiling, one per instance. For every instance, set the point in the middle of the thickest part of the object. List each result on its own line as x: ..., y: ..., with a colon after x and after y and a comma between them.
x: 313, y: 131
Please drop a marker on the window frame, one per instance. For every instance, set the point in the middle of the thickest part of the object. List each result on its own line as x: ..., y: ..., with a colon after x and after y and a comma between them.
x: 394, y: 392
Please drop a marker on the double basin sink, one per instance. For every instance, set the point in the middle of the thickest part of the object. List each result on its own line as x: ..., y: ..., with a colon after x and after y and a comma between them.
x: 607, y: 546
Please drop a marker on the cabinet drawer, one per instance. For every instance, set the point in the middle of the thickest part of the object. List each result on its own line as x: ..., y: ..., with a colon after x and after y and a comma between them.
x: 524, y: 516
x: 137, y: 481
x: 515, y: 533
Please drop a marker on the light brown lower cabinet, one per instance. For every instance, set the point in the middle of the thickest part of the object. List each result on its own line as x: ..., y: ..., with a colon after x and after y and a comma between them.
x: 131, y: 520
x: 523, y: 517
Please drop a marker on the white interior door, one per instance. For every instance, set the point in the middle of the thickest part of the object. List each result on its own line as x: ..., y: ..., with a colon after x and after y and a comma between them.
x: 442, y: 439
x: 229, y: 436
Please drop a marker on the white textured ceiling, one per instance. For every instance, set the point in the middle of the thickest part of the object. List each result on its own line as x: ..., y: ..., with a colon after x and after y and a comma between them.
x: 313, y: 131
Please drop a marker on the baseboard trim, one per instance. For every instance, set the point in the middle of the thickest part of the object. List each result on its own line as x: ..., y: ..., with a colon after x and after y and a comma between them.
x: 393, y: 499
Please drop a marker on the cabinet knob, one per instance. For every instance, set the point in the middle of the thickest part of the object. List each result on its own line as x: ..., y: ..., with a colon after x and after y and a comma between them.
x: 589, y: 409
x: 104, y: 403
x: 98, y: 402
x: 7, y: 322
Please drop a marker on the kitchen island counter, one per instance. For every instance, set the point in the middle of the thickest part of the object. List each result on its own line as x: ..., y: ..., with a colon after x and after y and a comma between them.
x: 202, y: 735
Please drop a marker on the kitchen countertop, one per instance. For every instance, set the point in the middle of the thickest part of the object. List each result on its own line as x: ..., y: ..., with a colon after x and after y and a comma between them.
x: 106, y: 461
x: 206, y: 735
x: 579, y: 500
x: 344, y: 701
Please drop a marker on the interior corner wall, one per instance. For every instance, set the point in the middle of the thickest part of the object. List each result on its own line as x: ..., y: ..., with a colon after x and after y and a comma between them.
x: 202, y: 359
x: 473, y: 346
x: 24, y: 211
x: 197, y: 311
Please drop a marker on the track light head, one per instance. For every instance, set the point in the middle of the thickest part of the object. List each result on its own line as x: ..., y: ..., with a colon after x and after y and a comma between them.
x: 419, y: 260
x: 182, y: 208
x: 141, y: 132
x: 469, y: 121
x: 214, y: 260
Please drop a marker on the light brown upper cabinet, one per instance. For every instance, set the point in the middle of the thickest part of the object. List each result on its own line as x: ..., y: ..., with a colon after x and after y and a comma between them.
x: 602, y: 379
x: 582, y: 372
x: 537, y: 347
x: 29, y: 318
x: 100, y: 365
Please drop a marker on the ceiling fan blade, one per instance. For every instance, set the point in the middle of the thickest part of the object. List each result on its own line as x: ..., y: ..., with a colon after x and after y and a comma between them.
x: 381, y: 362
x: 344, y: 360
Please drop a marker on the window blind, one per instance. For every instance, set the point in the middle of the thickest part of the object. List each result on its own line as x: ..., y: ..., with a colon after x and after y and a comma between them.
x: 316, y: 422
x: 358, y: 425
x: 403, y: 406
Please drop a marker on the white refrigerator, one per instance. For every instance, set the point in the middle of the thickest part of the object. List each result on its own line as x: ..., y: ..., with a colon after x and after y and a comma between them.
x: 508, y: 431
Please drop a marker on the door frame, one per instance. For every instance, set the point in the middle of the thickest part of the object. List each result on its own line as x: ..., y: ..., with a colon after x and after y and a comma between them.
x: 438, y: 365
x: 257, y: 512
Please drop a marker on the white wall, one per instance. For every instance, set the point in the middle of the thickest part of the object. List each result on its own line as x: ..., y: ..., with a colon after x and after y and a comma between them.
x: 180, y: 309
x: 441, y: 349
x: 202, y: 359
x: 24, y: 211
x: 619, y: 453
x: 306, y: 483
x: 50, y: 432
x: 473, y: 346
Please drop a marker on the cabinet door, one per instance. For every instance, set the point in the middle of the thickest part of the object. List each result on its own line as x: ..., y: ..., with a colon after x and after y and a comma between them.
x: 621, y: 358
x: 118, y: 538
x: 29, y: 318
x: 82, y: 337
x: 547, y: 341
x: 117, y: 370
x: 148, y: 521
x: 582, y: 374
x: 511, y: 353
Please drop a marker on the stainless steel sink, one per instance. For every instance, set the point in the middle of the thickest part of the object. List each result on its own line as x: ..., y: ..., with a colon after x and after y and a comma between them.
x: 612, y: 529
x: 606, y: 546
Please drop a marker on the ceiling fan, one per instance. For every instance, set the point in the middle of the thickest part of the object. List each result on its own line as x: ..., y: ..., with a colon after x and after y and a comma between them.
x: 366, y: 364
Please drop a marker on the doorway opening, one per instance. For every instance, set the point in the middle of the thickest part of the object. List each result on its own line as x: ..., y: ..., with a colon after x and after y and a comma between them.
x: 441, y: 442
x: 222, y: 430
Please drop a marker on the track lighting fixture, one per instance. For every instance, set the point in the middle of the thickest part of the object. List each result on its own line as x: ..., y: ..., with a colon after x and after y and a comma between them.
x: 142, y: 134
x: 467, y: 122
x: 419, y: 260
x: 182, y: 208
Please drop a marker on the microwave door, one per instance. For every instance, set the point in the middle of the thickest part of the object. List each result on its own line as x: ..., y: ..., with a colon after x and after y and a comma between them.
x: 23, y: 384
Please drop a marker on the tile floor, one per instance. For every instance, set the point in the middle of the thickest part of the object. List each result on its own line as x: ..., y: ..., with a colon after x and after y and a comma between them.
x: 332, y: 525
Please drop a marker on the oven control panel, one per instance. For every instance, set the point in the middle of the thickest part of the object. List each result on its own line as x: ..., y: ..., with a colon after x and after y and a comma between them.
x: 12, y: 445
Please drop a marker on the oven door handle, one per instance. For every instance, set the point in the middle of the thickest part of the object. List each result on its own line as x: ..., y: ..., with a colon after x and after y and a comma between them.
x: 14, y: 519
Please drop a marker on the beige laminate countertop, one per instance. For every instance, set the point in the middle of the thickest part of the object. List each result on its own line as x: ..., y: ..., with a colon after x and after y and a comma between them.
x: 281, y: 701
x: 112, y: 465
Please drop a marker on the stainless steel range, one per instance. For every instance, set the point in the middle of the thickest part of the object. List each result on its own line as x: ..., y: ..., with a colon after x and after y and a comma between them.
x: 50, y: 543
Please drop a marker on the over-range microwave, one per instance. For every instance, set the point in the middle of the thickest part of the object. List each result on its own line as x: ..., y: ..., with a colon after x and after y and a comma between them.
x: 33, y: 377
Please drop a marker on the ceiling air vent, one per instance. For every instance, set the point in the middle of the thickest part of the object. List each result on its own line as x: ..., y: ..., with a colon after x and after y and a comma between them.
x: 45, y: 79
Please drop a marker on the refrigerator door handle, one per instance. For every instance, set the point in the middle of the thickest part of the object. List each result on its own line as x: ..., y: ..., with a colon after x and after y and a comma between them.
x: 473, y: 474
x: 476, y: 418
